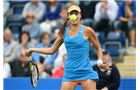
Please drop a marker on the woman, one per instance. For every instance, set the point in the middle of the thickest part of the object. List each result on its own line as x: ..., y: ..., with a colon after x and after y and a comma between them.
x: 109, y: 80
x: 77, y: 66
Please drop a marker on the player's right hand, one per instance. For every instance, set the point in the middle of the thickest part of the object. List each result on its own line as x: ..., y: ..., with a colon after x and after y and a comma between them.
x: 28, y: 52
x: 104, y: 66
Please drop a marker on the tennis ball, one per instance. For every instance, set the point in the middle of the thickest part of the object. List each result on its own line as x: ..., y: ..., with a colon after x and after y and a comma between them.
x: 73, y: 17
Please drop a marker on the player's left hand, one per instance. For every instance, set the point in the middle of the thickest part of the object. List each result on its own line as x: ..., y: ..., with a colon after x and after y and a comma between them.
x: 105, y: 66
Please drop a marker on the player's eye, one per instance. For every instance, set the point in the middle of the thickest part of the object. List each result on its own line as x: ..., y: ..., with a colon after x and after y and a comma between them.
x: 76, y: 13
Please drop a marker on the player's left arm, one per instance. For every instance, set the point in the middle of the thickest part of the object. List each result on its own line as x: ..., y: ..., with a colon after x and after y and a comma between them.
x: 91, y: 36
x: 93, y: 39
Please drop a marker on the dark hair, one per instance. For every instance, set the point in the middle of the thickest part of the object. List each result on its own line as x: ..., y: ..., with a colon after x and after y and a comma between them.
x: 24, y: 32
x: 62, y: 30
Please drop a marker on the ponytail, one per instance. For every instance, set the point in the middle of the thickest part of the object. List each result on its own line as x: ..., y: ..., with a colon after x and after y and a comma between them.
x: 63, y: 28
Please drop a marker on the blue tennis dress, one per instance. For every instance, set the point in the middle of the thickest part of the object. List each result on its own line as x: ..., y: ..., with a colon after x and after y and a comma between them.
x: 77, y: 65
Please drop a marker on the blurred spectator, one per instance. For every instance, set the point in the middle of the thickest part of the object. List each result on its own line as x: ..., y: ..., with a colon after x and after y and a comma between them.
x: 36, y: 7
x: 71, y: 2
x: 9, y: 46
x: 126, y: 20
x: 87, y: 10
x: 52, y: 14
x: 41, y: 69
x: 24, y: 43
x: 32, y: 27
x: 108, y: 80
x: 59, y: 72
x: 105, y: 14
x: 21, y: 67
x: 47, y: 60
x: 6, y: 7
x: 60, y: 22
x: 59, y: 59
x: 6, y: 69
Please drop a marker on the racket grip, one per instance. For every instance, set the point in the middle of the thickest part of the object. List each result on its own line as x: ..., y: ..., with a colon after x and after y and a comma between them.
x: 30, y: 58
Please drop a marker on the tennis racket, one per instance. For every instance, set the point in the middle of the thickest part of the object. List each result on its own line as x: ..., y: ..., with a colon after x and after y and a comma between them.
x: 34, y: 74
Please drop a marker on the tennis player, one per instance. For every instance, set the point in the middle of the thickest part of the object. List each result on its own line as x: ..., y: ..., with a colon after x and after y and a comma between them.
x: 77, y: 39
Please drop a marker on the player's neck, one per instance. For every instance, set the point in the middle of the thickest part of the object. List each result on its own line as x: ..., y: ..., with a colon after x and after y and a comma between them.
x: 75, y: 27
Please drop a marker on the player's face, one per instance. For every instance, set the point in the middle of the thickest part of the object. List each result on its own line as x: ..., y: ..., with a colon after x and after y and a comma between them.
x: 78, y: 17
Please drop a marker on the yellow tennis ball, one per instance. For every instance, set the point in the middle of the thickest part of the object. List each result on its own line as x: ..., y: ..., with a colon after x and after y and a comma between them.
x: 73, y: 17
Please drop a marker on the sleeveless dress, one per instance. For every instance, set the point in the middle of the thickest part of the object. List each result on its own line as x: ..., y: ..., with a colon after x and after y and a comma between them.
x: 77, y: 65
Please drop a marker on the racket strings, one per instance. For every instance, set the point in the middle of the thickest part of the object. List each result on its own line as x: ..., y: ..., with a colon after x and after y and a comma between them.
x: 34, y: 76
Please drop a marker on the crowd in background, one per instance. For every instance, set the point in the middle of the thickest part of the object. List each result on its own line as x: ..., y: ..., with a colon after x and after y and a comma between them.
x: 43, y: 21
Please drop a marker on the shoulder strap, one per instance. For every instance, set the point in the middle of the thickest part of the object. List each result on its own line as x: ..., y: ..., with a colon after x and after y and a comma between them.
x: 81, y: 29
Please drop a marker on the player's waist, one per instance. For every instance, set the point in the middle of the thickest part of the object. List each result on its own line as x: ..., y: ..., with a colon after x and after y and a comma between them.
x: 70, y: 49
x: 78, y: 53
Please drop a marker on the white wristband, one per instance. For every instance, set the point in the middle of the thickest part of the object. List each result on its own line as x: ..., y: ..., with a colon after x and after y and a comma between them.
x: 99, y: 62
x: 105, y: 88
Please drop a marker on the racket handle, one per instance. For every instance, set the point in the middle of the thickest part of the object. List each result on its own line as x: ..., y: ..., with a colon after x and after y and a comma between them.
x: 30, y: 58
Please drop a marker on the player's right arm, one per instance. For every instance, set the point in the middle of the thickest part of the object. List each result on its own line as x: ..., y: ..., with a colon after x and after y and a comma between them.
x: 48, y: 51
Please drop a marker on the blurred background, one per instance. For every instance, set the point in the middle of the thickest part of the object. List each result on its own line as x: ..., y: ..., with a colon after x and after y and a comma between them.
x: 36, y: 23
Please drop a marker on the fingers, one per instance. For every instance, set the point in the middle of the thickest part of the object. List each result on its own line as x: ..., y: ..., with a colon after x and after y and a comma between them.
x: 27, y: 52
x: 105, y: 67
x: 109, y: 64
x: 108, y: 68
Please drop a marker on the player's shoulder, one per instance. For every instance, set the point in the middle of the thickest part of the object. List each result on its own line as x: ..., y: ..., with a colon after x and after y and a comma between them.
x: 88, y: 29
